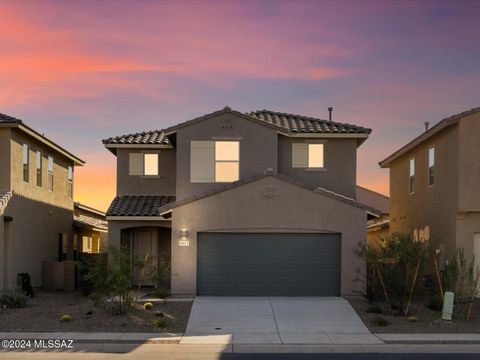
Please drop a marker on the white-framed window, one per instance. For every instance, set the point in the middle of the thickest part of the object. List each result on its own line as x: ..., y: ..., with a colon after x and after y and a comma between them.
x: 308, y: 155
x: 38, y: 164
x: 50, y: 173
x: 70, y: 181
x: 214, y: 161
x: 411, y: 177
x: 150, y: 164
x: 431, y: 166
x: 26, y: 162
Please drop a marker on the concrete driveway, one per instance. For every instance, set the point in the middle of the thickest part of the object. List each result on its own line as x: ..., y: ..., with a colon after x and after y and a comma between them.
x: 275, y: 320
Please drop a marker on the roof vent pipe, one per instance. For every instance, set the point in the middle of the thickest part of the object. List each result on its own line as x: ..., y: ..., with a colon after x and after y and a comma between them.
x: 330, y: 109
x: 426, y: 125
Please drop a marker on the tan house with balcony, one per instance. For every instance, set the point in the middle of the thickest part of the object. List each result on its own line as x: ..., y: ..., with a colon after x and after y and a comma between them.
x: 434, y: 186
x: 36, y: 201
x: 262, y: 203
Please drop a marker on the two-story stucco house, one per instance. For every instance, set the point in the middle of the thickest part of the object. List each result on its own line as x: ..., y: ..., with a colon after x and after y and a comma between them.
x: 434, y: 181
x: 36, y: 201
x: 262, y: 203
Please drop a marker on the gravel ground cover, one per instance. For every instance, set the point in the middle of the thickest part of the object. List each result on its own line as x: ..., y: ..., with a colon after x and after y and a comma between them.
x: 46, y: 308
x: 428, y: 321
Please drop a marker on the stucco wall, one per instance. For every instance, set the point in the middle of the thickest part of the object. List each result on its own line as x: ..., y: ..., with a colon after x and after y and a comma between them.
x: 340, y: 160
x: 434, y: 206
x: 34, y: 235
x: 59, y: 196
x: 469, y: 164
x: 294, y: 209
x: 468, y: 224
x: 163, y: 184
x: 258, y: 149
x: 4, y: 159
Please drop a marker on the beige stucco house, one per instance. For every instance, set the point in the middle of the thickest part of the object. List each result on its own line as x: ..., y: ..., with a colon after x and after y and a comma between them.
x: 434, y: 182
x: 262, y: 203
x: 36, y: 201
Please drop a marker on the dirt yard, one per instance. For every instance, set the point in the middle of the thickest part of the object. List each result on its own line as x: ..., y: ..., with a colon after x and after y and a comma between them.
x: 46, y: 308
x: 428, y: 321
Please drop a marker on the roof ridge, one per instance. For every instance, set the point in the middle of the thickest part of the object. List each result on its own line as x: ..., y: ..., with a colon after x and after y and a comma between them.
x: 10, y: 118
x: 373, y: 191
x: 134, y: 134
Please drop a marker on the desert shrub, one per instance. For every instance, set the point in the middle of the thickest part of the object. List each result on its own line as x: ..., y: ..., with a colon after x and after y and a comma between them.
x: 66, y: 318
x: 148, y: 306
x: 412, y: 318
x: 396, y: 260
x: 109, y: 276
x: 460, y: 277
x: 157, y: 323
x: 161, y: 292
x: 379, y: 320
x: 159, y: 314
x: 14, y: 298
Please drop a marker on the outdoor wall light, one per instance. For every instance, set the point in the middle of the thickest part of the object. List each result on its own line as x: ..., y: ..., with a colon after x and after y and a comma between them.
x: 184, y: 234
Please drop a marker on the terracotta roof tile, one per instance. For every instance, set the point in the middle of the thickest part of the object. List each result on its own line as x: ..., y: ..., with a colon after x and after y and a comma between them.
x: 138, y: 205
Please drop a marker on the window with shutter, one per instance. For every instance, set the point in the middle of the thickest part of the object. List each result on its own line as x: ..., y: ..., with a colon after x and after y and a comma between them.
x: 202, y: 161
x: 135, y: 164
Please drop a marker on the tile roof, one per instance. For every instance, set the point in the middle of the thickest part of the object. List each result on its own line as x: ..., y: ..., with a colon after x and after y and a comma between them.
x: 155, y: 137
x: 138, y: 205
x: 4, y: 199
x: 304, y: 124
x: 9, y: 119
x: 281, y: 121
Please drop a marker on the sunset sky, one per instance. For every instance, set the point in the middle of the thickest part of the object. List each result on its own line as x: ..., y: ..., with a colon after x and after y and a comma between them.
x: 83, y: 71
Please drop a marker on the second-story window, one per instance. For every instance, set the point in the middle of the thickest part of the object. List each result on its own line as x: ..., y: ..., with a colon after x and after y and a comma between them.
x: 431, y: 166
x: 227, y: 161
x: 308, y: 155
x: 411, y: 177
x: 50, y: 173
x: 70, y: 181
x: 38, y: 160
x: 214, y: 161
x: 150, y: 164
x: 26, y: 162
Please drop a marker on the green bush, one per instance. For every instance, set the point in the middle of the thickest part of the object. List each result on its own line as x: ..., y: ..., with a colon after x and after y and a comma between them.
x: 66, y: 318
x: 148, y: 306
x: 161, y: 292
x: 14, y: 298
x: 396, y: 260
x: 110, y: 277
x: 157, y: 323
x: 159, y: 314
x: 379, y: 320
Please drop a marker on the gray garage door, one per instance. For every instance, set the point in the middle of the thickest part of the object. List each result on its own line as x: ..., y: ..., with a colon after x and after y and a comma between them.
x: 268, y: 264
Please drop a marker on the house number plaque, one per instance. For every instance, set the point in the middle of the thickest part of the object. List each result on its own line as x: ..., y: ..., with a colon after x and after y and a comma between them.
x: 183, y: 242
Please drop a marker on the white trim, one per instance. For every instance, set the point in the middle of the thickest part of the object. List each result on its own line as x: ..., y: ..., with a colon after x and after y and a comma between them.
x: 137, y: 218
x: 138, y: 146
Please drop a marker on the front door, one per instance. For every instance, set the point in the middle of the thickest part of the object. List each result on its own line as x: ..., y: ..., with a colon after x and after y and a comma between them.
x: 145, y: 247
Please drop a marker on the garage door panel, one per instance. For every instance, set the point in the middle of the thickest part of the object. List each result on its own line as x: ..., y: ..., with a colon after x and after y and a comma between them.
x: 268, y: 264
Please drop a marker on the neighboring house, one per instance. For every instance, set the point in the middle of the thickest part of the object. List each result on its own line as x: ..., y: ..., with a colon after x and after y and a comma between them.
x: 243, y: 204
x: 378, y: 227
x: 434, y: 182
x: 36, y: 208
x: 90, y: 229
